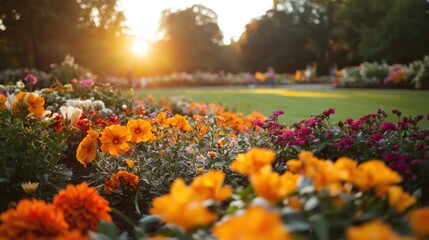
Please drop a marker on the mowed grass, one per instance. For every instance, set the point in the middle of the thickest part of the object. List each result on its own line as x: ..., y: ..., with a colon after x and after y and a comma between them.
x: 299, y: 104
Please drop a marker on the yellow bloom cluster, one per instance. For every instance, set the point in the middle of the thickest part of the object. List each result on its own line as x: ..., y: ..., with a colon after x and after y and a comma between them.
x: 184, y: 207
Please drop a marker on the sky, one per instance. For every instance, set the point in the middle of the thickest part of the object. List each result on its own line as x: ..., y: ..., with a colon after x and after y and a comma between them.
x: 143, y: 16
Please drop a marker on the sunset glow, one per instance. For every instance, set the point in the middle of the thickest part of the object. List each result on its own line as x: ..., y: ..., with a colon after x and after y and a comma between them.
x: 140, y: 47
x: 143, y: 16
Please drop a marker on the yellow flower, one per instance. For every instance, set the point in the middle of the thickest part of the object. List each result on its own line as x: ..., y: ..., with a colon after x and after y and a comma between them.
x: 161, y: 118
x: 32, y: 219
x: 181, y: 207
x: 30, y: 187
x: 209, y: 186
x: 345, y: 168
x: 254, y: 161
x: 3, y: 100
x: 272, y: 186
x: 121, y: 177
x: 374, y: 230
x: 115, y: 139
x: 141, y: 130
x: 399, y: 199
x: 180, y: 123
x: 294, y: 165
x: 87, y: 149
x: 212, y: 154
x: 419, y: 221
x: 83, y: 208
x: 199, y: 170
x: 130, y: 163
x: 374, y: 173
x: 256, y: 223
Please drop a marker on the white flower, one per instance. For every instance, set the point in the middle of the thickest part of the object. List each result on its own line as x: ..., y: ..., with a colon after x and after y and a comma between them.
x: 20, y: 84
x: 71, y: 114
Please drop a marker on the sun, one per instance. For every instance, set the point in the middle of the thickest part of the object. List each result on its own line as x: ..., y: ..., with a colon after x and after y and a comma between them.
x: 140, y: 47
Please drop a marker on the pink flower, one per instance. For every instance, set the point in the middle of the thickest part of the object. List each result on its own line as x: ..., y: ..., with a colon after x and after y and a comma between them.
x: 31, y: 78
x: 86, y: 83
x: 329, y: 112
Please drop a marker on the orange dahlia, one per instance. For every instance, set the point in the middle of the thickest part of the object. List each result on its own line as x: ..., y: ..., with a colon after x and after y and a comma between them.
x: 141, y: 130
x: 121, y: 177
x: 115, y: 139
x: 32, y: 219
x: 83, y: 208
x: 87, y: 149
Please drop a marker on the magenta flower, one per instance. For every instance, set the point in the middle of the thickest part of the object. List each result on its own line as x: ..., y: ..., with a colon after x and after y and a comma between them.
x: 31, y: 78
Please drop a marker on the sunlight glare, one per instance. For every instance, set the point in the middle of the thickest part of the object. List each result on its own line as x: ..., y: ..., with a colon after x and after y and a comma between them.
x: 140, y: 47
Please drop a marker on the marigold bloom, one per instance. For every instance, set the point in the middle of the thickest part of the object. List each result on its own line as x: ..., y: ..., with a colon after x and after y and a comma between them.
x: 399, y: 199
x: 180, y: 123
x: 419, y: 221
x: 272, y: 186
x: 374, y: 230
x: 83, y: 208
x: 72, y: 235
x: 121, y: 177
x: 254, y: 161
x: 32, y: 219
x: 87, y: 149
x: 255, y: 223
x: 181, y: 207
x: 115, y: 139
x: 141, y: 130
x: 30, y: 187
x: 3, y: 100
x: 374, y: 173
x: 209, y: 186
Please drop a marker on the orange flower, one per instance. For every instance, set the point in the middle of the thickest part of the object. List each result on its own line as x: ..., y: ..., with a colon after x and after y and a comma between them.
x: 35, y: 104
x: 121, y: 177
x: 399, y: 199
x: 180, y: 123
x: 374, y: 173
x: 374, y: 230
x: 83, y: 208
x: 419, y: 221
x: 272, y: 186
x: 130, y: 163
x: 20, y: 100
x: 181, y: 207
x: 32, y: 219
x: 209, y: 186
x: 3, y: 100
x: 87, y: 149
x: 114, y: 139
x: 74, y: 234
x: 254, y: 161
x: 161, y: 118
x: 255, y: 223
x: 141, y: 130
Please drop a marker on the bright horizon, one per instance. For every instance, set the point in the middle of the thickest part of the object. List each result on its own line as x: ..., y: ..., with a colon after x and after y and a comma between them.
x: 143, y: 16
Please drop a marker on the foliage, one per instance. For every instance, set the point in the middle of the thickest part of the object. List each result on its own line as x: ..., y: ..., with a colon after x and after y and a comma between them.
x: 30, y: 152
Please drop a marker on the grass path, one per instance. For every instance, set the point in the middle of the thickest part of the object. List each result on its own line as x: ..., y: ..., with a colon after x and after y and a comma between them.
x: 301, y: 103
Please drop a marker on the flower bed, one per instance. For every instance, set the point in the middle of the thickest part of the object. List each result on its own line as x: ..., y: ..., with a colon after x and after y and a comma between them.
x: 196, y: 170
x: 374, y: 75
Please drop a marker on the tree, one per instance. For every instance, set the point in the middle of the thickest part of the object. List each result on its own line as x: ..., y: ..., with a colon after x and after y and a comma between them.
x: 192, y: 39
x: 376, y: 30
x: 37, y: 34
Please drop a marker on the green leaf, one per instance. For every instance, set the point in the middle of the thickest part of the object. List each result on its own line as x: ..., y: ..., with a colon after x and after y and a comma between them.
x: 320, y: 226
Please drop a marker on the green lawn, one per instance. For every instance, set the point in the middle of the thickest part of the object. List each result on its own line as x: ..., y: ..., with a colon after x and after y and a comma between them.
x: 299, y: 104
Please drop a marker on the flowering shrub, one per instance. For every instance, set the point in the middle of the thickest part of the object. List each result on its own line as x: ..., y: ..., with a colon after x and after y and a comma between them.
x: 375, y: 75
x: 323, y: 200
x: 402, y: 145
